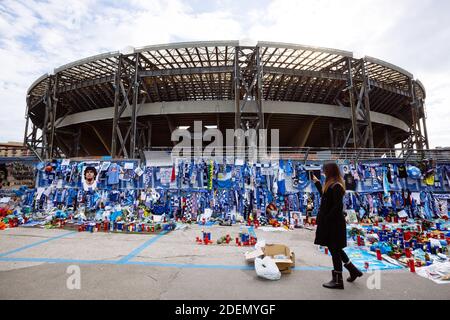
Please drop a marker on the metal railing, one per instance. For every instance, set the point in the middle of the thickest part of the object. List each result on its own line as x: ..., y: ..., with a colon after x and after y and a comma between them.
x: 299, y: 154
x: 329, y: 154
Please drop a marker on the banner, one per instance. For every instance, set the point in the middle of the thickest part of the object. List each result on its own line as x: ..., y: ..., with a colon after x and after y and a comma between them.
x: 15, y: 175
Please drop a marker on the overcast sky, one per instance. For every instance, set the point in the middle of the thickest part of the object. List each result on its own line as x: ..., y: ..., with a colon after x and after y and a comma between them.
x: 38, y: 36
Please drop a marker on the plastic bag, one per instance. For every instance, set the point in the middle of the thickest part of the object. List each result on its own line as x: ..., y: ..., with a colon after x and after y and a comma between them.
x: 260, y: 244
x: 267, y: 269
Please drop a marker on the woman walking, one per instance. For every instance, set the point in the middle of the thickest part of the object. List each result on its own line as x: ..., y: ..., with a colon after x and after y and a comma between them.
x: 331, y: 228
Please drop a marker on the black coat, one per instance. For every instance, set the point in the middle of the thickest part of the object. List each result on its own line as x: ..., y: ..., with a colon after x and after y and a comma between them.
x: 331, y: 226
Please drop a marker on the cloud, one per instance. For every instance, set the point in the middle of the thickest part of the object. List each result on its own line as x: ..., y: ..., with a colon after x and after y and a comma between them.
x: 412, y: 34
x: 340, y: 24
x: 38, y: 36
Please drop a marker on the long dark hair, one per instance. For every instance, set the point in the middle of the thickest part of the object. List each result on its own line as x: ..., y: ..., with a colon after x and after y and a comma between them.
x: 333, y: 174
x: 91, y: 168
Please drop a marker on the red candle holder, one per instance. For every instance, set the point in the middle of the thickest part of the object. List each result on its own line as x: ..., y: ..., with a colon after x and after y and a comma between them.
x: 408, y: 253
x: 412, y: 265
x: 379, y: 257
x: 407, y: 236
x: 360, y: 241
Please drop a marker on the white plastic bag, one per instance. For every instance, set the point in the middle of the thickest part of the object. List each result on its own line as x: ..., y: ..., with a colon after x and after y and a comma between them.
x: 267, y: 269
x: 260, y: 244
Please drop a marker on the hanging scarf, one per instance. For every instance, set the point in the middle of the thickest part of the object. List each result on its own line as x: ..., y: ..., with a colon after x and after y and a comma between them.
x: 210, y: 175
x: 173, y: 175
x: 386, y: 187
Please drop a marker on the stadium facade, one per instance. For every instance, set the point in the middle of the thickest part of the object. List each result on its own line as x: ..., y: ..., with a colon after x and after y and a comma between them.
x: 121, y: 103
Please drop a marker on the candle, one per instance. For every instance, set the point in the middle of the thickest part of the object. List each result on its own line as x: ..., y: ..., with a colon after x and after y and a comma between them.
x: 412, y: 266
x: 379, y: 254
x: 408, y: 253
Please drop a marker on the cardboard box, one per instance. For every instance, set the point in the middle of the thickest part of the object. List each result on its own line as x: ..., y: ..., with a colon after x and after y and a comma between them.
x: 252, y: 255
x: 284, y: 265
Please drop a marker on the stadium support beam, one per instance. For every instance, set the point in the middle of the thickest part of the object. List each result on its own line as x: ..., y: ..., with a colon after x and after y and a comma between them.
x: 362, y: 130
x: 425, y: 131
x: 53, y: 110
x: 141, y: 140
x: 387, y: 139
x: 237, y: 92
x: 126, y: 88
x: 331, y: 131
x: 418, y: 138
x: 171, y: 126
x: 100, y: 137
x: 247, y: 77
x: 133, y: 124
x: 33, y: 140
x: 149, y: 134
x: 339, y: 134
x: 76, y: 142
x: 41, y: 140
x: 47, y: 104
x: 116, y: 108
x: 62, y: 145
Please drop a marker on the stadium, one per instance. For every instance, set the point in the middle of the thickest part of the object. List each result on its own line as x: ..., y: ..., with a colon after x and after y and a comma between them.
x: 120, y: 103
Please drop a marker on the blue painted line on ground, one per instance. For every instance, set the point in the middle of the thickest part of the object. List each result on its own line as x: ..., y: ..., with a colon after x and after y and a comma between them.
x: 190, y: 266
x: 57, y: 260
x: 312, y: 268
x: 151, y: 264
x: 141, y: 248
x: 37, y: 243
x: 213, y: 266
x: 126, y: 260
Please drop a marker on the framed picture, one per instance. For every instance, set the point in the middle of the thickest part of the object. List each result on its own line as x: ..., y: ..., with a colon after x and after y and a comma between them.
x: 90, y: 176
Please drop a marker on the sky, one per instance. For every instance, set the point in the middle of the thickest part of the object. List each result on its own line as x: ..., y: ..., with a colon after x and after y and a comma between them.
x: 38, y: 36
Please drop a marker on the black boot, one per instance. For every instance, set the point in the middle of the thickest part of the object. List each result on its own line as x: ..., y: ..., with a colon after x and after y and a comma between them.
x: 337, y: 282
x: 354, y: 272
